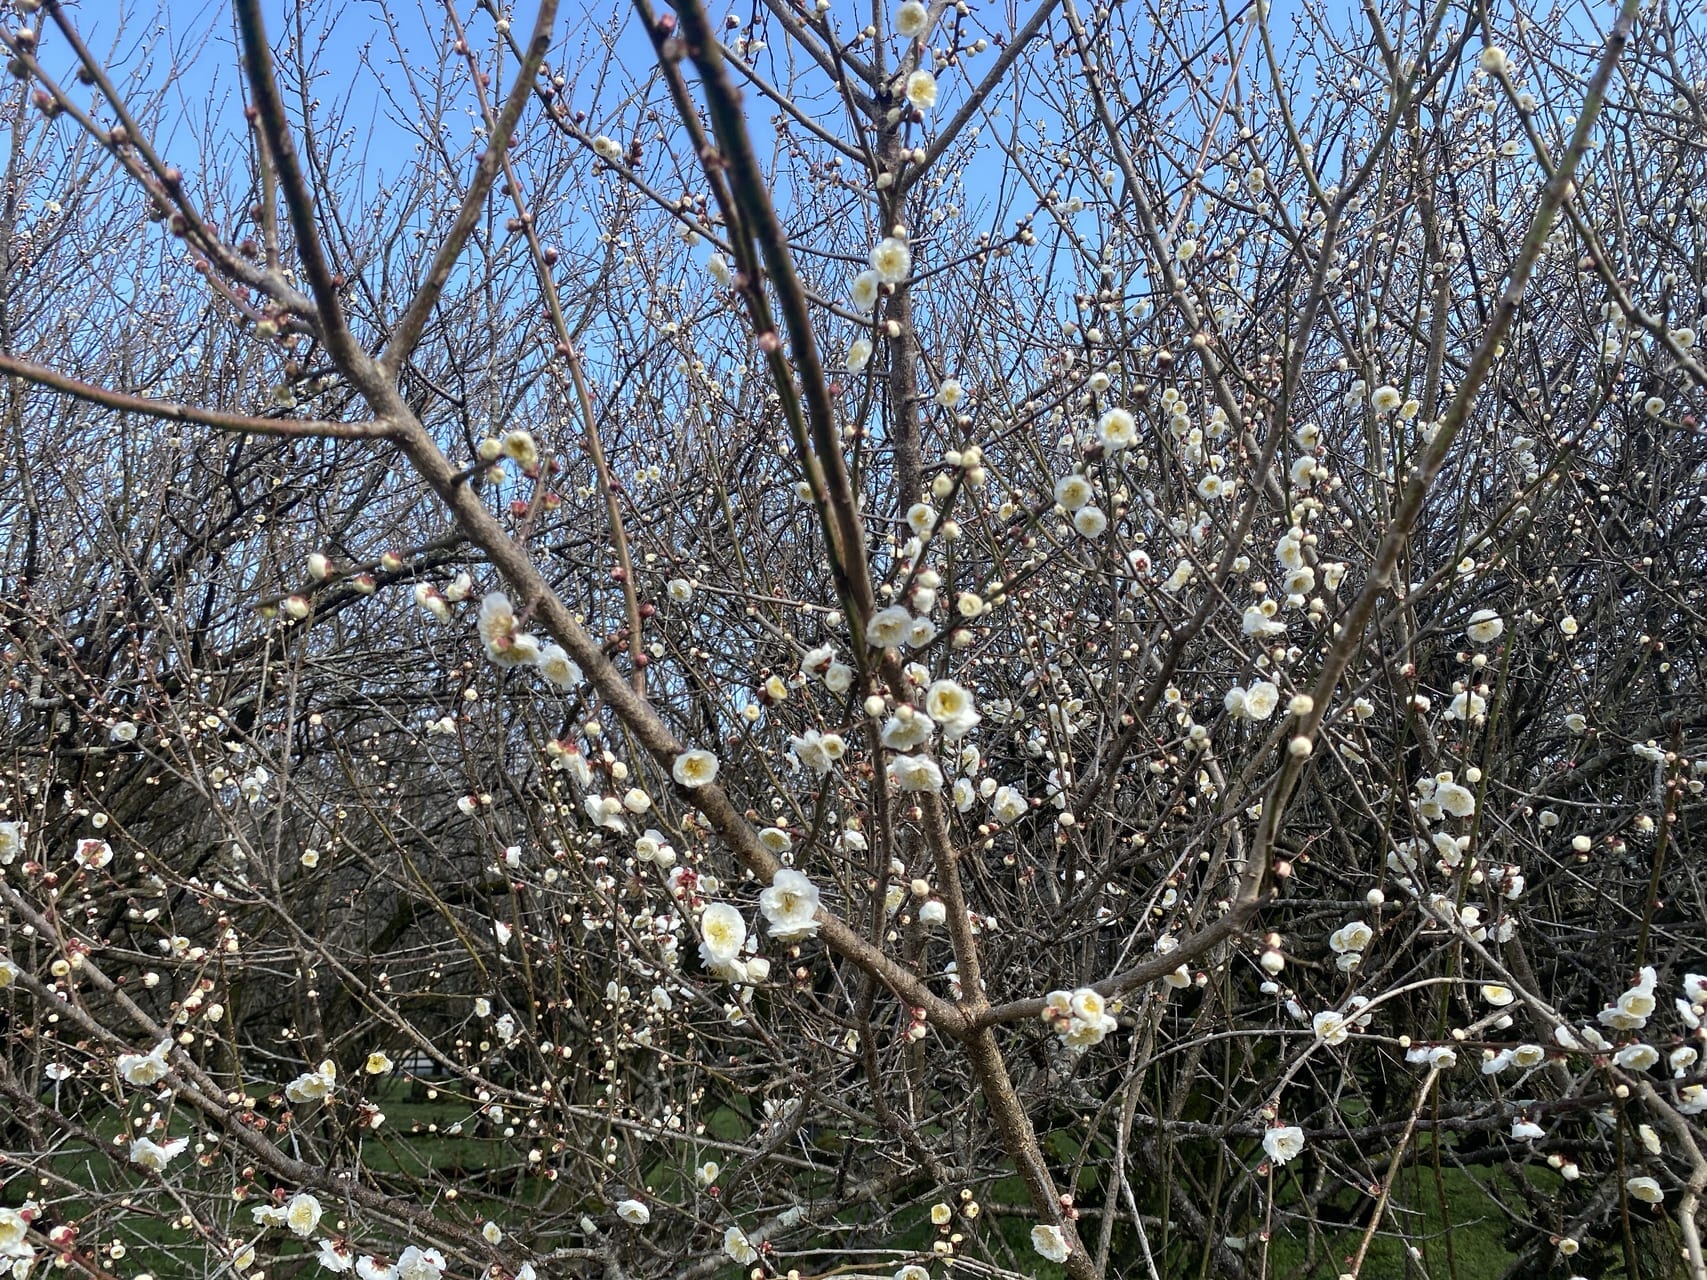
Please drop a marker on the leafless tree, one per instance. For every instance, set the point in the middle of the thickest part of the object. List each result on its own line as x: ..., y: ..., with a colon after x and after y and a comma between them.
x: 1055, y: 641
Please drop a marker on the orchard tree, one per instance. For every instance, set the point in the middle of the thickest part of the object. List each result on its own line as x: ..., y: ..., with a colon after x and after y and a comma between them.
x: 924, y: 641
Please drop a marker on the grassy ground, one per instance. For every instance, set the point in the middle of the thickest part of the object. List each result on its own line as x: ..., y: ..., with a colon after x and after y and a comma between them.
x: 1453, y: 1232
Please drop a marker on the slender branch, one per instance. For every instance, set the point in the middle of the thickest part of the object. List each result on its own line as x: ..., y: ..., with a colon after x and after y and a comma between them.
x: 407, y: 331
x: 171, y: 411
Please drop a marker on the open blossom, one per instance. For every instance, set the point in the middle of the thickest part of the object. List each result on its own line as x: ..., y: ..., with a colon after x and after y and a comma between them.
x: 313, y: 1085
x: 1456, y: 799
x: 1467, y: 705
x: 633, y: 1212
x: 950, y: 705
x: 1635, y: 1006
x: 915, y: 773
x: 557, y: 666
x: 1261, y: 699
x: 1117, y: 429
x: 865, y: 289
x: 911, y: 19
x: 1008, y: 804
x: 1049, y: 1242
x: 921, y: 92
x: 722, y: 932
x: 1485, y: 627
x: 888, y: 628
x: 859, y: 355
x: 1353, y: 936
x: 1073, y: 492
x: 1080, y: 1017
x: 1645, y: 1189
x: 93, y: 854
x: 497, y: 626
x: 1331, y: 1027
x: 1259, y: 619
x: 738, y: 1247
x: 1637, y: 1057
x: 891, y: 259
x: 14, y: 1234
x: 695, y: 768
x: 1283, y: 1142
x: 906, y: 729
x: 144, y: 1069
x: 1091, y: 522
x: 818, y: 751
x: 335, y: 1256
x: 302, y: 1214
x: 790, y: 906
x: 11, y: 841
x: 416, y: 1263
x: 154, y: 1156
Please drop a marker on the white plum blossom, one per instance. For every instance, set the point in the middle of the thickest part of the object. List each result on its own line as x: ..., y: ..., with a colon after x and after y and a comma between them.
x: 93, y: 854
x: 312, y: 1086
x: 497, y: 623
x: 302, y: 1214
x: 950, y: 704
x: 1645, y: 1189
x: 694, y: 768
x: 145, y: 1069
x: 416, y: 1263
x: 1080, y: 1017
x: 1073, y: 492
x: 1355, y: 935
x: 723, y: 931
x: 1331, y: 1027
x: 891, y: 259
x: 14, y: 1238
x: 1283, y: 1142
x: 738, y: 1247
x: 1635, y: 1006
x: 790, y: 906
x: 1484, y: 627
x: 1049, y: 1242
x: 1008, y: 804
x: 921, y: 92
x: 1637, y: 1057
x: 1090, y: 522
x: 915, y: 773
x: 1117, y: 429
x: 1467, y: 705
x: 865, y: 289
x: 558, y: 667
x: 817, y: 751
x: 633, y: 1212
x: 1261, y: 699
x: 154, y: 1156
x: 888, y: 628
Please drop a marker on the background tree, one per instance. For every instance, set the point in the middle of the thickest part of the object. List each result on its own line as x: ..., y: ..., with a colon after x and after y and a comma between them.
x: 857, y: 645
